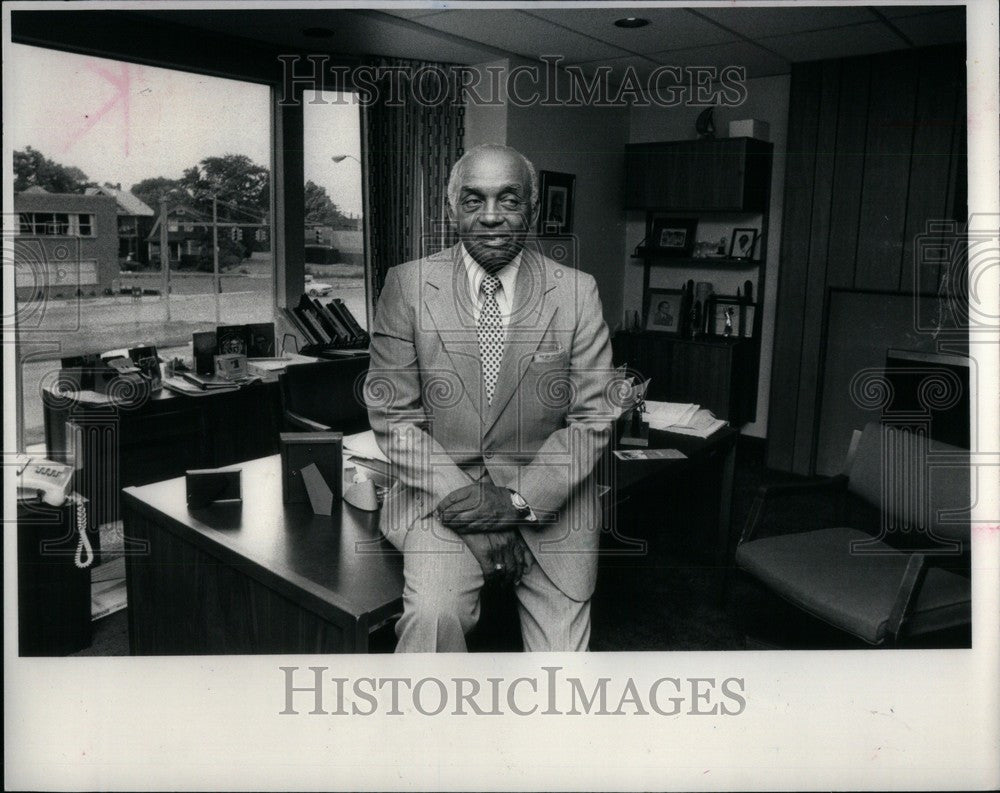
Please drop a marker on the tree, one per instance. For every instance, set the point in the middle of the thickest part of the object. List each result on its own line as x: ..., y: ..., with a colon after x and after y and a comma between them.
x: 242, y: 186
x: 320, y: 207
x: 32, y: 168
x: 151, y: 190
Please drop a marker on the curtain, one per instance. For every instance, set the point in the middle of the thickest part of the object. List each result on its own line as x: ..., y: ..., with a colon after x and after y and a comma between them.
x: 410, y: 147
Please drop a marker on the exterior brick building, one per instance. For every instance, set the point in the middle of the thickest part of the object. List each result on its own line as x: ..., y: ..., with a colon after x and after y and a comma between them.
x: 66, y: 244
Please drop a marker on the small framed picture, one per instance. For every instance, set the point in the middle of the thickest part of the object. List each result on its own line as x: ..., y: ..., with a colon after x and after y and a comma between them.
x: 673, y: 236
x: 742, y: 244
x: 663, y: 310
x: 555, y: 209
x: 726, y: 317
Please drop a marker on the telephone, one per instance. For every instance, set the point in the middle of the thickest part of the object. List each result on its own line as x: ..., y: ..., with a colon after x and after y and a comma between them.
x: 51, y: 483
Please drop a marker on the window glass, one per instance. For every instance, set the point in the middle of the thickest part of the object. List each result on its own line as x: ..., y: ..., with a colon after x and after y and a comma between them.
x: 334, y: 238
x: 104, y: 151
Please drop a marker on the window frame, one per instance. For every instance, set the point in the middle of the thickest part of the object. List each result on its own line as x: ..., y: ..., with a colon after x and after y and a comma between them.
x: 130, y: 36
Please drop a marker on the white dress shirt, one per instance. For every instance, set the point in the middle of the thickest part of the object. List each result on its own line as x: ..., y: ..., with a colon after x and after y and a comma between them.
x: 504, y: 295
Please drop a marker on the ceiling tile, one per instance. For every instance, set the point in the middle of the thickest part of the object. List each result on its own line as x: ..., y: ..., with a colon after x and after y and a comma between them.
x: 520, y: 33
x: 758, y: 61
x: 755, y: 23
x: 905, y: 11
x: 669, y: 28
x: 942, y: 27
x: 409, y: 13
x: 836, y: 43
x: 642, y: 66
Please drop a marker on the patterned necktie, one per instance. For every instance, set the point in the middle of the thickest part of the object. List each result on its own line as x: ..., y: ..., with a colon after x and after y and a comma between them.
x: 491, y: 335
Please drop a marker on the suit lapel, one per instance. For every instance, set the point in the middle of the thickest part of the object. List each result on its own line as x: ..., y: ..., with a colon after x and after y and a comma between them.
x: 449, y: 305
x: 533, y: 311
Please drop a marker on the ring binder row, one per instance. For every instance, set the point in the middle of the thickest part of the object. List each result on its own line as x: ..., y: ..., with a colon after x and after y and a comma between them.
x: 326, y: 328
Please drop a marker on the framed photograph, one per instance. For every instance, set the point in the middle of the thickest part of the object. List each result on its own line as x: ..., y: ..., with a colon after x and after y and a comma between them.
x: 746, y: 323
x: 742, y: 243
x: 663, y: 310
x: 555, y: 207
x: 726, y: 317
x: 673, y: 236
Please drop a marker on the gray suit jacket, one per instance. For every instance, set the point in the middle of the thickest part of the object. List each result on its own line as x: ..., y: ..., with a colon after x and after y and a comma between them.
x: 546, y: 429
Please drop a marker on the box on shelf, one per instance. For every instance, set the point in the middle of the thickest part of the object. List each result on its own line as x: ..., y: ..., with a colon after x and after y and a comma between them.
x: 750, y: 128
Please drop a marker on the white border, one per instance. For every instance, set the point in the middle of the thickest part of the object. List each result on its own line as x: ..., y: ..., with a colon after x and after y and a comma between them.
x: 858, y: 720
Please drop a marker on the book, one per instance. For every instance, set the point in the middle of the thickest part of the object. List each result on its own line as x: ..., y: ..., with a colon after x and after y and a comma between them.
x: 348, y: 318
x: 211, y: 382
x: 232, y: 339
x: 325, y: 319
x: 260, y: 340
x: 296, y: 322
x: 316, y: 334
x: 342, y: 329
x: 179, y: 385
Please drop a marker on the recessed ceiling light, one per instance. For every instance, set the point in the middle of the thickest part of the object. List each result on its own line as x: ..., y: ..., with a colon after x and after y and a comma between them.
x: 631, y: 22
x: 317, y: 33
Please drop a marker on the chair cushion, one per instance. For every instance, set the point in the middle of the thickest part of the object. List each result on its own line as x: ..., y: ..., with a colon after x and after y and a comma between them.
x: 921, y: 484
x: 854, y: 592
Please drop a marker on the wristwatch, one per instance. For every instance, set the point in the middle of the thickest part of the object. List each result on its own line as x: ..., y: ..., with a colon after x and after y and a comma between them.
x: 523, y: 510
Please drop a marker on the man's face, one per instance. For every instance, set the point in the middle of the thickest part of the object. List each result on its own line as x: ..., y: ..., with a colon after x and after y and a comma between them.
x: 494, y: 208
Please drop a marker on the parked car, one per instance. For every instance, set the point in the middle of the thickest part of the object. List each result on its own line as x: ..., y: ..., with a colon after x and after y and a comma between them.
x: 317, y: 288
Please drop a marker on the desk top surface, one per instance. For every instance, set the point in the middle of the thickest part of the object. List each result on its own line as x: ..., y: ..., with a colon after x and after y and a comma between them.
x: 340, y: 561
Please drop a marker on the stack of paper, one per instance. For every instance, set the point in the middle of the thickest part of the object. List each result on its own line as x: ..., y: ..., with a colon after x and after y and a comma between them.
x: 682, y: 418
x: 363, y: 445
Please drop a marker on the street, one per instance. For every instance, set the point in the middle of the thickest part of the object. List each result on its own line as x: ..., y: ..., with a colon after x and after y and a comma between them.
x: 59, y: 328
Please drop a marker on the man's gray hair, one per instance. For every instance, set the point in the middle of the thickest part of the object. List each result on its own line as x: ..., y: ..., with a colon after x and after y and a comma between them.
x: 455, y: 177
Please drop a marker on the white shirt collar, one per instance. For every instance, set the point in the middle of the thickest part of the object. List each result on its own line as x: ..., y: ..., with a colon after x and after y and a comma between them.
x: 507, y: 276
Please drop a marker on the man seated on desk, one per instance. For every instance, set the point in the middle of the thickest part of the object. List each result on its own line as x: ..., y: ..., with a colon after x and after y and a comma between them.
x: 488, y: 392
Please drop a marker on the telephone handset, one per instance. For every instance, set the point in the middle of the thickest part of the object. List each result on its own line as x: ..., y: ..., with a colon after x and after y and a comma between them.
x: 51, y: 483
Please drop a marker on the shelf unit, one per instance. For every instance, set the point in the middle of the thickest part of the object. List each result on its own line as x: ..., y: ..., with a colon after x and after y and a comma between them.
x: 707, y: 179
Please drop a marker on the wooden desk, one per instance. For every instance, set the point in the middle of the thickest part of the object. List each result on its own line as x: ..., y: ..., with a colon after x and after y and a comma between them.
x: 707, y: 484
x: 263, y: 577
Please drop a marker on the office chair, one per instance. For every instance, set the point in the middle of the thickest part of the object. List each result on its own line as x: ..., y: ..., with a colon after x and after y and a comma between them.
x: 326, y: 395
x: 883, y: 594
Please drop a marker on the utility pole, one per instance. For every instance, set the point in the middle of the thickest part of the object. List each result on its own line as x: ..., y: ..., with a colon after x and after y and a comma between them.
x: 215, y: 256
x: 165, y: 253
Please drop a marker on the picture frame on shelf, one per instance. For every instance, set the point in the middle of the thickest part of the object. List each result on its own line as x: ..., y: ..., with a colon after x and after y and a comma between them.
x: 722, y: 307
x: 742, y: 243
x: 673, y: 237
x: 663, y: 311
x: 555, y: 209
x: 747, y: 313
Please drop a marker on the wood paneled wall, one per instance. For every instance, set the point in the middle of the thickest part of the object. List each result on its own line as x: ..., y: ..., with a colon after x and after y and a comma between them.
x: 876, y: 149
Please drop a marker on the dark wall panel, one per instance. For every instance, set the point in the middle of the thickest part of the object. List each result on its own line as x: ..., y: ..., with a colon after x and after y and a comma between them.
x: 930, y: 173
x: 887, y: 171
x: 819, y: 237
x: 800, y: 163
x: 848, y: 170
x: 876, y: 148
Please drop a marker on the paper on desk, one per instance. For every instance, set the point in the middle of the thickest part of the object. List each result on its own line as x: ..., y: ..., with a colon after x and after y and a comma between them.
x: 702, y: 426
x: 661, y: 415
x: 363, y: 446
x: 650, y: 454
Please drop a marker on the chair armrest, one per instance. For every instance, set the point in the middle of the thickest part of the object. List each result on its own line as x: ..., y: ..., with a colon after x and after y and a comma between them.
x: 767, y: 494
x: 302, y: 423
x: 904, y: 595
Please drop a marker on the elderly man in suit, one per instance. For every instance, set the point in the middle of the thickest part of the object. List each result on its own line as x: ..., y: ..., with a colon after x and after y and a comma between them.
x: 488, y: 392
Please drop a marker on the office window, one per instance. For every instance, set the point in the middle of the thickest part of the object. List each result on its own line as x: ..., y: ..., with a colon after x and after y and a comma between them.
x: 334, y: 236
x: 97, y: 144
